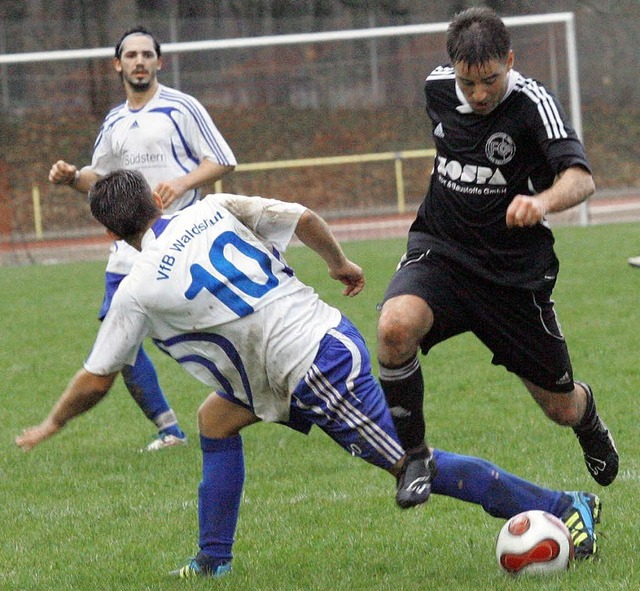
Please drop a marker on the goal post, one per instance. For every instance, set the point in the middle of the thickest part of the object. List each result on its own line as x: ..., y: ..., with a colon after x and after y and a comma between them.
x: 565, y: 18
x: 361, y: 81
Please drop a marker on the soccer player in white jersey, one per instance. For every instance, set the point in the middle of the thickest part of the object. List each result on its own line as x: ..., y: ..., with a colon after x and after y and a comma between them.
x: 480, y: 254
x: 168, y: 136
x: 213, y: 290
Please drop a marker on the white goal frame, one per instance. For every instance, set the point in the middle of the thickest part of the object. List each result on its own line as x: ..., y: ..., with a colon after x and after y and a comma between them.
x: 565, y: 18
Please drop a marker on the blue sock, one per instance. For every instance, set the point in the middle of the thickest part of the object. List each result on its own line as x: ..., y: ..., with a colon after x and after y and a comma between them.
x: 141, y: 380
x: 501, y: 494
x: 219, y: 496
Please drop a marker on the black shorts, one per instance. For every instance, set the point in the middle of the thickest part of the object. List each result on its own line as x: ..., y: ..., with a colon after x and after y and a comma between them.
x: 519, y: 326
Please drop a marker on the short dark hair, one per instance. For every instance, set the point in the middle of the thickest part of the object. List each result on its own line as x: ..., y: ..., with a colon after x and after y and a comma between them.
x: 476, y: 36
x: 122, y: 201
x: 137, y: 31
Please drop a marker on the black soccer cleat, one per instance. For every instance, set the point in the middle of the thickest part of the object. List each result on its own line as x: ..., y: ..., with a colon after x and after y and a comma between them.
x: 600, y: 452
x: 600, y: 455
x: 414, y: 481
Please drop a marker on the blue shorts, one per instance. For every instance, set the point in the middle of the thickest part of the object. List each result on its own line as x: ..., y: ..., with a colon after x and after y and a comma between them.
x: 340, y: 395
x: 111, y: 283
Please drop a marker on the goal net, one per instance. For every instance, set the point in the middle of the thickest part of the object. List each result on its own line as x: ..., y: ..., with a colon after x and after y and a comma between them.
x: 275, y: 98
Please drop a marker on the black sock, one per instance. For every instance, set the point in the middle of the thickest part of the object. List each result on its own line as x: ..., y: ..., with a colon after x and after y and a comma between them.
x: 404, y: 391
x: 589, y: 422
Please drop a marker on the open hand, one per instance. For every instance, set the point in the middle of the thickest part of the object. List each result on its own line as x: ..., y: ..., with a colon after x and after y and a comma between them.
x: 352, y: 276
x: 32, y: 436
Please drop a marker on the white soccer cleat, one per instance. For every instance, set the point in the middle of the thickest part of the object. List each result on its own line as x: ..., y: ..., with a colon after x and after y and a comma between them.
x: 165, y: 441
x: 634, y: 261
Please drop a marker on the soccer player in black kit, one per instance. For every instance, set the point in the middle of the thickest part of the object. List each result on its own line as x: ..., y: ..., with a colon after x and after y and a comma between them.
x: 480, y: 254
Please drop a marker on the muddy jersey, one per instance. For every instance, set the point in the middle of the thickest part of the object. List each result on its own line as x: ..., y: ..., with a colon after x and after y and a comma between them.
x: 212, y: 289
x: 482, y: 162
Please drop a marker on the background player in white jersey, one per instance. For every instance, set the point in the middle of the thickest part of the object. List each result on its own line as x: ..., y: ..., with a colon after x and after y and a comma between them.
x: 169, y: 136
x: 214, y: 291
x: 480, y: 254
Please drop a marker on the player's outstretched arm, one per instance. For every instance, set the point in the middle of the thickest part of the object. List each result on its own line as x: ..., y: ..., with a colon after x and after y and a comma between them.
x: 313, y: 231
x: 84, y: 391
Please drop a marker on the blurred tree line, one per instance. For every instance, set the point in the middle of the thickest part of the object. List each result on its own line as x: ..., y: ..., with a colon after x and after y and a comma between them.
x: 607, y: 30
x: 53, y: 109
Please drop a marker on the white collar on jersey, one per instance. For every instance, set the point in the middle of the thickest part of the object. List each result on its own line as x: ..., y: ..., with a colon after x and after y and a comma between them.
x: 465, y: 108
x: 147, y: 238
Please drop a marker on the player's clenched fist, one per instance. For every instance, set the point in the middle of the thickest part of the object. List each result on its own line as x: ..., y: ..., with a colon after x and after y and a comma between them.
x: 62, y: 173
x: 525, y: 211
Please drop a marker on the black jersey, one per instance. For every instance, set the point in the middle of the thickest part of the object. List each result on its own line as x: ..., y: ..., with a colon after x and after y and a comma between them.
x: 484, y: 161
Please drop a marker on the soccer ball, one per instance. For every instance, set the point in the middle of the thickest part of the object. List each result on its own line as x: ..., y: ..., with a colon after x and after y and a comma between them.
x: 534, y: 542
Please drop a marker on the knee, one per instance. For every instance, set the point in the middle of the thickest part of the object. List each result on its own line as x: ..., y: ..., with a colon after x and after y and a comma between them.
x: 393, y: 330
x: 219, y: 418
x: 396, y: 343
x: 401, y: 327
x: 202, y: 417
x: 209, y: 423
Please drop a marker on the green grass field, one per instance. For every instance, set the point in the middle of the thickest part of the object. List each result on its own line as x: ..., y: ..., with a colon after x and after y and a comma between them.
x: 86, y: 511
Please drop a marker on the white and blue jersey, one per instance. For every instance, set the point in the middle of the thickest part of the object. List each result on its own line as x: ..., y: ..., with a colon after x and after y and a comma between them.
x: 214, y: 292
x: 169, y: 137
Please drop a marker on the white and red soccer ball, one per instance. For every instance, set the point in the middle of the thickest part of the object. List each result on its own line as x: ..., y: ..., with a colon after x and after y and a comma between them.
x: 534, y: 542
